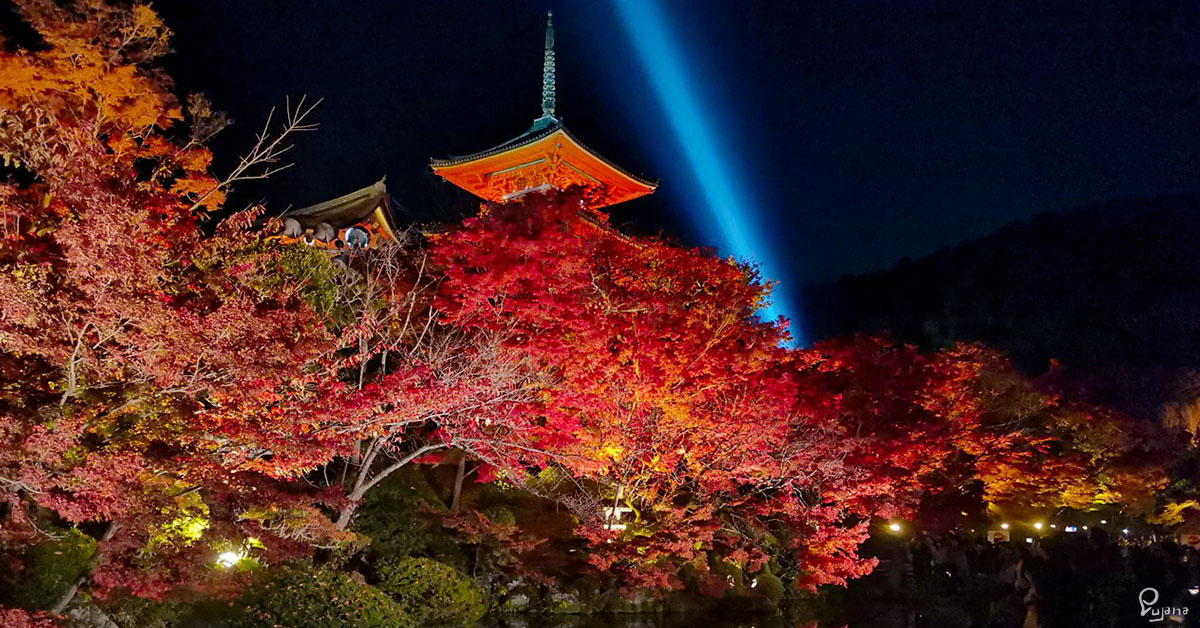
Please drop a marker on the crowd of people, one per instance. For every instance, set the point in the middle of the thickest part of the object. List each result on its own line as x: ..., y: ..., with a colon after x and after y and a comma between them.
x: 1085, y: 579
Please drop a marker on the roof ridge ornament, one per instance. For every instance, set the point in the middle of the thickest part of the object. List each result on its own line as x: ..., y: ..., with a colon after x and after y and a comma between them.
x: 549, y: 93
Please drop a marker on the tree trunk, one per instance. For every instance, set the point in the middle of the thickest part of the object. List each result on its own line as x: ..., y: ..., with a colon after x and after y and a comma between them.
x: 362, y: 484
x: 344, y: 517
x: 458, y: 482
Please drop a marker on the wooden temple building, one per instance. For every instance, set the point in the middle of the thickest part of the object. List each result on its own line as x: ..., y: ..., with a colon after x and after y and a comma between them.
x: 360, y: 219
x: 547, y: 156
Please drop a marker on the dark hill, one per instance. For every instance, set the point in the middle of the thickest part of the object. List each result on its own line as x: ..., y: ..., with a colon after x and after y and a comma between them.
x: 1112, y: 291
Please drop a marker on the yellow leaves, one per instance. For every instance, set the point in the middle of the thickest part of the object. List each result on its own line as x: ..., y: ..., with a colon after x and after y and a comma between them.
x: 200, y: 188
x: 679, y: 413
x: 188, y: 529
x: 189, y: 524
x: 79, y: 78
x: 1174, y: 512
x: 611, y: 452
x: 146, y: 26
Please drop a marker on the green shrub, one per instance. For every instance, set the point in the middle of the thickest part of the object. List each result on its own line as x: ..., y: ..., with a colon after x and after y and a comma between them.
x: 50, y: 568
x: 769, y: 586
x: 729, y: 573
x: 391, y: 517
x: 312, y: 598
x: 433, y: 593
x: 136, y: 612
x: 500, y: 514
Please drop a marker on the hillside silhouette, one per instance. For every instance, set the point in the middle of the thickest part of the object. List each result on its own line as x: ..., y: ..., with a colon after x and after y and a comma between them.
x: 1109, y: 291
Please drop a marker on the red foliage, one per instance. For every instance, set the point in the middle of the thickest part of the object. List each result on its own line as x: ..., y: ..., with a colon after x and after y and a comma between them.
x: 668, y: 394
x: 172, y: 385
x: 17, y: 618
x: 119, y: 323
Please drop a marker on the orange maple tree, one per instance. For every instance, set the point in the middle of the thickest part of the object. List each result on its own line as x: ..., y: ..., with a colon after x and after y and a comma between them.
x: 120, y: 325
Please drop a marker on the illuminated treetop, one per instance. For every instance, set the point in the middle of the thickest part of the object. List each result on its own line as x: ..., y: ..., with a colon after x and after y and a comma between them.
x: 544, y: 157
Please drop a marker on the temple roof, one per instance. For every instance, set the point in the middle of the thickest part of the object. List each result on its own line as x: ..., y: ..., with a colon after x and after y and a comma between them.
x: 545, y: 156
x: 532, y: 135
x: 369, y: 206
x: 347, y: 210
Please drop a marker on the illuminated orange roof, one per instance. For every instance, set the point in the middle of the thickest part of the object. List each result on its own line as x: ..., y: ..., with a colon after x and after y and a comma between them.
x: 545, y: 156
x: 548, y: 157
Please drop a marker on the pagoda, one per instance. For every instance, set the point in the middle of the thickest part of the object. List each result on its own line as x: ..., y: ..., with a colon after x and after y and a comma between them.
x: 545, y: 157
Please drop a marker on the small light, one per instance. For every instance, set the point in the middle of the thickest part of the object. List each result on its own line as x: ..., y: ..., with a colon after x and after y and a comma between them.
x: 1194, y: 590
x: 1103, y: 521
x: 894, y: 527
x: 1038, y: 525
x: 1053, y: 527
x: 754, y: 583
x: 228, y: 559
x: 1125, y: 531
x: 1004, y: 526
x: 1029, y: 539
x: 1084, y: 527
x: 1070, y: 529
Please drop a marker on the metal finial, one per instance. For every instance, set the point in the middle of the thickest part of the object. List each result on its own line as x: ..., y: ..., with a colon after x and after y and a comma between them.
x: 548, y: 91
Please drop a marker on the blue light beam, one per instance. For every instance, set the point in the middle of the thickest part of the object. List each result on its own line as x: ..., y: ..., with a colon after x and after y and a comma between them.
x: 727, y: 199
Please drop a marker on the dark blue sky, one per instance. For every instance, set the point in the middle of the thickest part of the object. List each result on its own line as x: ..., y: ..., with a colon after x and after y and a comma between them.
x: 869, y: 131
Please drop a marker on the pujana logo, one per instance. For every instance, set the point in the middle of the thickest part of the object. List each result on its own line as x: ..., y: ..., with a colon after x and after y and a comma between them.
x: 1148, y: 601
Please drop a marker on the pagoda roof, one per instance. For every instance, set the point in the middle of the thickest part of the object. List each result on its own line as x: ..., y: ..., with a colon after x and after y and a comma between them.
x: 546, y: 154
x: 534, y: 134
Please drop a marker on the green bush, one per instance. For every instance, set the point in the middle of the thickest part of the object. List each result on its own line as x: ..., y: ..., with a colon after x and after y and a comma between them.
x: 433, y: 593
x: 391, y: 517
x: 312, y: 598
x: 500, y: 514
x: 729, y: 573
x: 50, y: 568
x: 769, y: 586
x: 136, y: 612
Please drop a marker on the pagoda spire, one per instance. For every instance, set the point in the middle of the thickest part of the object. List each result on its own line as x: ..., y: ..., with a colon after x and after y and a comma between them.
x: 548, y: 90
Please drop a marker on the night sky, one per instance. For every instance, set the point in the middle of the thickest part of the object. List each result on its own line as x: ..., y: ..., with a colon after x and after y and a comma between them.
x: 864, y: 131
